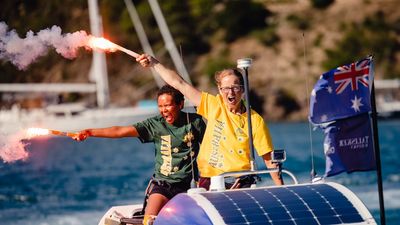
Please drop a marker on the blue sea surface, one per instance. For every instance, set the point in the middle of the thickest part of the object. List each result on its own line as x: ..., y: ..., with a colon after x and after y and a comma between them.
x: 64, y: 182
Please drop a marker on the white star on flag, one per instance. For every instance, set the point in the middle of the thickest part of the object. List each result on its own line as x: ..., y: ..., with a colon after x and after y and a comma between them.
x: 330, y: 90
x: 356, y: 103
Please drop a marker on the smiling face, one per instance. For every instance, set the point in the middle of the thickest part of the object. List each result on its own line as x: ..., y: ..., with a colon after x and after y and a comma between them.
x: 169, y: 110
x: 231, y: 91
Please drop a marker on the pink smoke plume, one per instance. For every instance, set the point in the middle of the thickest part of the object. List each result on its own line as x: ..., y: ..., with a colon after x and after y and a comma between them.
x: 12, y: 148
x: 23, y: 51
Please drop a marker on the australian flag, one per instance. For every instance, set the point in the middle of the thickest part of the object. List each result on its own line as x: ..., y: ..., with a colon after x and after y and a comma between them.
x: 342, y: 92
x: 348, y: 145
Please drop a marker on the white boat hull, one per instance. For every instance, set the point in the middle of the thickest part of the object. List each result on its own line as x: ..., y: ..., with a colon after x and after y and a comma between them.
x: 115, y: 213
x: 12, y: 122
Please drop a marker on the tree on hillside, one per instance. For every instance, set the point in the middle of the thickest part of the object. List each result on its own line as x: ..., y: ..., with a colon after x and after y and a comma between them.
x: 373, y: 36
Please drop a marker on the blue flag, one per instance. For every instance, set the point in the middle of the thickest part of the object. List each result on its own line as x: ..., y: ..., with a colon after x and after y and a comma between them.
x: 348, y: 145
x: 342, y: 92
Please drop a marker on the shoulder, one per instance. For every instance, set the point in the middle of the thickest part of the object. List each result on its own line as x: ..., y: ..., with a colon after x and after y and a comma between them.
x: 205, y: 96
x: 255, y: 117
x: 194, y: 116
x: 156, y: 119
x: 151, y: 121
x: 196, y: 119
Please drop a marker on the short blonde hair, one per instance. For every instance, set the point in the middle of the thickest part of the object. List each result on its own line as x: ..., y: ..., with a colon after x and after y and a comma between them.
x: 226, y: 72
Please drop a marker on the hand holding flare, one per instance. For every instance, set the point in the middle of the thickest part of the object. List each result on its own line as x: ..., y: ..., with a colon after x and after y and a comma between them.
x: 146, y: 60
x: 81, y: 135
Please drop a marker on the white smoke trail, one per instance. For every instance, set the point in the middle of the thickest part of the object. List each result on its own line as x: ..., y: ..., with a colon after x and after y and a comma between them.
x: 12, y: 148
x: 23, y: 51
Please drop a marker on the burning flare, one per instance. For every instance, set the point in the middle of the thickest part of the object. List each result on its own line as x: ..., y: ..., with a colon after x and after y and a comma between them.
x: 35, y: 132
x: 101, y: 44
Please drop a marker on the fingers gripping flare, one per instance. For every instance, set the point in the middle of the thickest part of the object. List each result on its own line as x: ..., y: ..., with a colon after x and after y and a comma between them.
x: 146, y: 60
x: 81, y: 135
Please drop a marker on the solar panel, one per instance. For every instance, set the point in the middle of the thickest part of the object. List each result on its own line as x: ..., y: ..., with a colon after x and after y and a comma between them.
x: 308, y: 204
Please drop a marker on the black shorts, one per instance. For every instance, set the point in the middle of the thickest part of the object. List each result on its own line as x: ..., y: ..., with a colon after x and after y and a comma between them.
x: 167, y: 189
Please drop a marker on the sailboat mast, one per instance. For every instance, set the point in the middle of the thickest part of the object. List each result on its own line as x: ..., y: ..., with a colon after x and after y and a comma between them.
x: 169, y: 42
x: 98, y: 70
x: 137, y: 24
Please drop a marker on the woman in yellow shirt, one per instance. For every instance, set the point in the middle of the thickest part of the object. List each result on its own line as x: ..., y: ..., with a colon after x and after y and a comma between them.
x: 225, y: 146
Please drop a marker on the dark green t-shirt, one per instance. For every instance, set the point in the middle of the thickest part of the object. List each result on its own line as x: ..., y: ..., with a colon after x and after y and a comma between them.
x: 173, y: 157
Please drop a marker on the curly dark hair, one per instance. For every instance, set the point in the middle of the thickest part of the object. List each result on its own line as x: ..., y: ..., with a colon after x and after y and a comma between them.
x: 168, y: 89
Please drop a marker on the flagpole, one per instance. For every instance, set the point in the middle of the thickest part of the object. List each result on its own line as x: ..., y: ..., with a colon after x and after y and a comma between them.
x: 377, y: 155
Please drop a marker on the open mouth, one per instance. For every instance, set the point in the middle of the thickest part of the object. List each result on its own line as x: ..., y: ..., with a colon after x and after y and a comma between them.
x: 168, y: 117
x: 231, y: 99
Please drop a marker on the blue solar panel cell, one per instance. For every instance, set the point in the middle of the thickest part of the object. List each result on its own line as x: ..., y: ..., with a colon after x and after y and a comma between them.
x: 253, y: 223
x: 231, y: 219
x: 278, y: 216
x: 326, y: 208
x: 283, y: 222
x: 299, y: 214
x: 306, y: 221
x: 345, y: 210
x: 329, y: 220
x: 252, y: 211
x: 256, y: 217
x: 296, y: 207
x: 321, y: 212
x: 351, y: 218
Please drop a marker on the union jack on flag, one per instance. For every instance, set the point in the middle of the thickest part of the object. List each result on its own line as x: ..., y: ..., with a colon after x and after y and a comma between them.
x: 353, y: 74
x: 342, y: 92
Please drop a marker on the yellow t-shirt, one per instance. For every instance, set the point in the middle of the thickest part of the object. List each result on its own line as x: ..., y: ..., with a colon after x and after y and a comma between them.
x: 225, y: 145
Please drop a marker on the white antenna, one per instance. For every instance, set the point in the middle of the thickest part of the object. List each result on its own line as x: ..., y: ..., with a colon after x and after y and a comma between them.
x: 313, y: 173
x: 245, y: 64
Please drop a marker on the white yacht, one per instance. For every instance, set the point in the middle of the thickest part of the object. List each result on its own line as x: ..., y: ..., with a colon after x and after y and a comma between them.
x: 72, y: 117
x: 388, y: 98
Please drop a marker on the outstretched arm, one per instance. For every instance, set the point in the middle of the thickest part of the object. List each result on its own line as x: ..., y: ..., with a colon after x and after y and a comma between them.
x: 172, y: 78
x: 275, y: 176
x: 109, y: 132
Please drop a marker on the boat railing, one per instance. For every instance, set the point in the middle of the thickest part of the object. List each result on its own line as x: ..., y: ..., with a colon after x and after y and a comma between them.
x: 278, y: 157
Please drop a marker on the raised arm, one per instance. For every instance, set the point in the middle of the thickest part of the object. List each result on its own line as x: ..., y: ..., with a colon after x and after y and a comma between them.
x: 172, y: 78
x: 109, y: 132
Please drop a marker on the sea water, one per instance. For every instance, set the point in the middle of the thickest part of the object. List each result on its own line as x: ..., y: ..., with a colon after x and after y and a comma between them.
x: 64, y: 182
